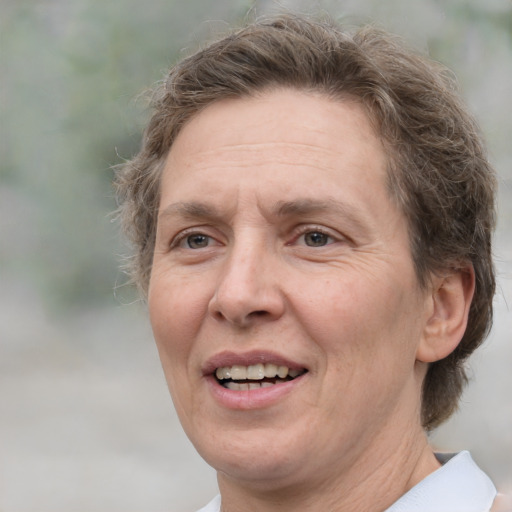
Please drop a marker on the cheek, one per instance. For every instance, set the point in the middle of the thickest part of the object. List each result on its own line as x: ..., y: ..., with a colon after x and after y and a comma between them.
x: 367, y: 333
x: 176, y: 314
x: 361, y: 319
x: 176, y: 310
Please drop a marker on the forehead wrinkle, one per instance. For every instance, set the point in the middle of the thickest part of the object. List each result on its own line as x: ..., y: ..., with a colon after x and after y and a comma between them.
x: 264, y: 151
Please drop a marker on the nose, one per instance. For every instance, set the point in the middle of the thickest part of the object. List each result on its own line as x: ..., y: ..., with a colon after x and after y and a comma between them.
x: 248, y: 291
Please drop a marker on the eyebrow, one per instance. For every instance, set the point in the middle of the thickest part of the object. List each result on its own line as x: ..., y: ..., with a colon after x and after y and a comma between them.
x: 301, y: 207
x: 306, y: 206
x: 190, y: 210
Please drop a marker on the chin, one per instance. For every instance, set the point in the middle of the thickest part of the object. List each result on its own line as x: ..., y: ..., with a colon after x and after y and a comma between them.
x: 261, y: 457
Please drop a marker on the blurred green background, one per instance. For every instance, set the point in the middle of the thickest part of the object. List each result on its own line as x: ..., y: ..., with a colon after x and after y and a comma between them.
x: 85, y: 420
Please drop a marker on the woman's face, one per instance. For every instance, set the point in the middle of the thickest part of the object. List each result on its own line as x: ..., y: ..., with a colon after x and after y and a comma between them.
x: 283, y: 297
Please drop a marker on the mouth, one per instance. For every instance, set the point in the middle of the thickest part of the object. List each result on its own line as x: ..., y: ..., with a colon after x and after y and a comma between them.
x: 255, y: 376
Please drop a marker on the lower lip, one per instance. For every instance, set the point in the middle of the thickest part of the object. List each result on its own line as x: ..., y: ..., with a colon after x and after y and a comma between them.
x: 254, y: 398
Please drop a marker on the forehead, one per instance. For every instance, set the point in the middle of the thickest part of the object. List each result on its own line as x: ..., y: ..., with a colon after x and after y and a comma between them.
x: 296, y: 108
x: 279, y: 127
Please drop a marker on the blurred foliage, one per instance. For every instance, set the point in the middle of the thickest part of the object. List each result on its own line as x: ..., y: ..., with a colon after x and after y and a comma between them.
x: 71, y: 74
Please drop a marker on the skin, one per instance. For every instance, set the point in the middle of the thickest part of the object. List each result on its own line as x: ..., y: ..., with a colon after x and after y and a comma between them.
x: 277, y: 237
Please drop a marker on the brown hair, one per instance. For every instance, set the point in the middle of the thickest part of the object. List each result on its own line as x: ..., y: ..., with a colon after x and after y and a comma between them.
x: 438, y: 170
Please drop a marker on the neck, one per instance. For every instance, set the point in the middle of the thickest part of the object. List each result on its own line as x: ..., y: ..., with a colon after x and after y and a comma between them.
x: 391, y: 470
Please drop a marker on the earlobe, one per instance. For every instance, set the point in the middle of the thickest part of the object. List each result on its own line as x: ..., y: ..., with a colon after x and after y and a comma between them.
x: 447, y: 317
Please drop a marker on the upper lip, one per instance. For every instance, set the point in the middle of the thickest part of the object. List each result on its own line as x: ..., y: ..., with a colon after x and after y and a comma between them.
x: 228, y: 358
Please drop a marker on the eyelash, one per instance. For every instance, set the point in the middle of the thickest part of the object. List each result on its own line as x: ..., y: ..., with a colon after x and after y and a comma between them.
x: 300, y: 232
x: 304, y: 230
x: 182, y: 237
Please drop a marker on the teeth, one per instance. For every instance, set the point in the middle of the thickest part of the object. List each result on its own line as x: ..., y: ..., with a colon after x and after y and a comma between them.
x: 282, y: 372
x: 223, y: 373
x: 270, y: 371
x: 255, y: 372
x: 239, y: 372
x: 220, y: 373
x: 246, y: 386
x: 235, y: 386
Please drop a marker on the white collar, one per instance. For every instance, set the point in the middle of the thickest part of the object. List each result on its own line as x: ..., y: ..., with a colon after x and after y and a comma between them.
x: 213, y: 506
x: 459, y: 485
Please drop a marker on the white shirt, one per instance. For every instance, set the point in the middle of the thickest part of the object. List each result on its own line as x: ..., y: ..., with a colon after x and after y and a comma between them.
x: 459, y: 485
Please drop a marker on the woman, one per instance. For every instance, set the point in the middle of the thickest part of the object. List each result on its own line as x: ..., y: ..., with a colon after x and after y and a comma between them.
x: 312, y: 212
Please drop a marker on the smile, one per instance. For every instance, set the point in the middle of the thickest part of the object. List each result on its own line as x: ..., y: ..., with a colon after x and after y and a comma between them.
x: 255, y: 376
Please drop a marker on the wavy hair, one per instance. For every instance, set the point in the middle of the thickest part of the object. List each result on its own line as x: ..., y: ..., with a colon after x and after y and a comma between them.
x: 438, y: 171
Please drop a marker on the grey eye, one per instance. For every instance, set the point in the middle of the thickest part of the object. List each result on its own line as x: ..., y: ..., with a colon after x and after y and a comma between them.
x: 197, y: 241
x: 316, y: 239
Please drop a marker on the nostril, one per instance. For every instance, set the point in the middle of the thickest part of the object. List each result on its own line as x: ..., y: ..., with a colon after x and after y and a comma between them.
x: 259, y: 313
x: 239, y: 307
x: 219, y: 315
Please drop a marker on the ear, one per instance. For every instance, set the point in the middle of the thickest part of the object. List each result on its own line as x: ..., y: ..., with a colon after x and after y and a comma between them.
x: 447, y: 316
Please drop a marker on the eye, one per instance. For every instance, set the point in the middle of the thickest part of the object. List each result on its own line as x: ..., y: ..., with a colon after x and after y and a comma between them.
x: 316, y: 239
x: 197, y: 241
x: 193, y: 241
